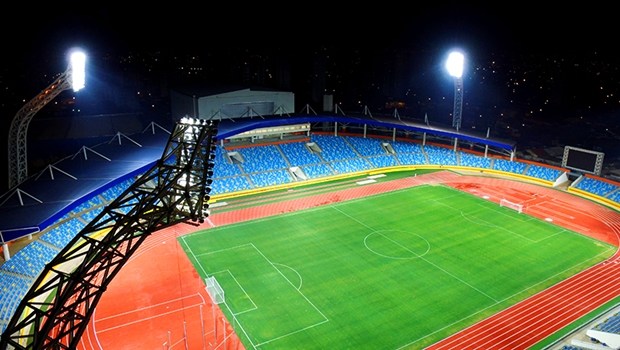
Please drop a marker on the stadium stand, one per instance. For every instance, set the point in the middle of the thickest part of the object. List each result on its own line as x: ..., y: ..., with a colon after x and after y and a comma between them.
x: 597, y: 187
x: 104, y: 171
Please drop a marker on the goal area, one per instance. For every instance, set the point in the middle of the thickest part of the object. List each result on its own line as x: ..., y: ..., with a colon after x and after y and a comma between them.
x: 512, y: 205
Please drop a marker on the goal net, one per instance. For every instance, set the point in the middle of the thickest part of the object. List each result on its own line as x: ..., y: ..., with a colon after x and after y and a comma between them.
x: 215, y: 290
x: 512, y: 205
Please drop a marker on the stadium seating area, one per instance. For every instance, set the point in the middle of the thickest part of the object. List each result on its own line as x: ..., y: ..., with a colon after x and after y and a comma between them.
x: 18, y: 273
x: 542, y: 172
x: 270, y: 165
x: 595, y: 186
x: 610, y: 325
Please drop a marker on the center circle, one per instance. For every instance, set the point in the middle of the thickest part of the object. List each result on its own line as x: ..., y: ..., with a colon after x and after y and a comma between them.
x: 397, y: 244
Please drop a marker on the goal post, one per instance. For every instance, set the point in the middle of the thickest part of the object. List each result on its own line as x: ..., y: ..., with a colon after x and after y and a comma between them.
x: 215, y: 290
x: 512, y: 205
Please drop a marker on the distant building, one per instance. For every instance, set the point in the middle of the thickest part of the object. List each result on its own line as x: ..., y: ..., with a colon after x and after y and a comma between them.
x: 229, y: 103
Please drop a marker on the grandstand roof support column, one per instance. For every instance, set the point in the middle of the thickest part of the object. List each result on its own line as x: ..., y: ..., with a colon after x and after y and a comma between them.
x: 486, y: 147
x: 456, y: 142
x: 335, y: 128
x: 423, y: 139
x: 512, y: 154
x: 365, y: 127
x: 5, y: 251
x: 394, y: 134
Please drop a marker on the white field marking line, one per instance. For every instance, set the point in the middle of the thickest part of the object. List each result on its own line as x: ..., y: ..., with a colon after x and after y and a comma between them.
x: 428, y: 248
x: 149, y: 245
x: 459, y: 193
x: 302, y: 294
x: 532, y: 199
x: 240, y: 287
x: 148, y: 307
x: 527, y: 218
x: 225, y: 249
x: 463, y: 318
x: 516, y: 306
x: 307, y: 300
x: 206, y: 274
x: 325, y: 207
x: 247, y: 336
x: 553, y: 321
x: 94, y: 331
x: 223, y: 343
x: 253, y: 221
x: 382, y: 194
x: 552, y: 316
x: 427, y: 261
x: 210, y: 222
x: 552, y: 235
x: 194, y: 256
x: 295, y: 271
x: 482, y: 222
x: 586, y: 237
x: 541, y: 207
x: 515, y: 309
x: 522, y: 218
x: 291, y: 333
x: 231, y: 275
x: 525, y: 306
x: 272, y: 264
x: 581, y: 297
x: 150, y: 318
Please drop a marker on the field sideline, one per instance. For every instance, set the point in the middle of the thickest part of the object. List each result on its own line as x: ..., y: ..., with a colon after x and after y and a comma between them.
x: 402, y: 269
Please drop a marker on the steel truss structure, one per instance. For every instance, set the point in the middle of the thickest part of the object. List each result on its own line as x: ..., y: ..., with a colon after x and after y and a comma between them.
x: 56, y: 310
x: 18, y: 155
x: 458, y: 103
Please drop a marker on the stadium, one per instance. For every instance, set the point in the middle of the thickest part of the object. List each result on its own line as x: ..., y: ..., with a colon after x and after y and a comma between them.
x: 254, y: 226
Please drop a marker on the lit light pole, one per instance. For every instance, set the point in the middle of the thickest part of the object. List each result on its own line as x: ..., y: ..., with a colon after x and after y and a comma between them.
x: 454, y: 65
x: 72, y: 78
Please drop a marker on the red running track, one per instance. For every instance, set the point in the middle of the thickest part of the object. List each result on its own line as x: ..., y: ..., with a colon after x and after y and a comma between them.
x: 518, y: 327
x: 527, y: 323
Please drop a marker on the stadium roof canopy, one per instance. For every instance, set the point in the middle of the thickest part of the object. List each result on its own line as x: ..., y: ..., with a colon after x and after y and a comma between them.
x: 230, y: 128
x: 46, y: 197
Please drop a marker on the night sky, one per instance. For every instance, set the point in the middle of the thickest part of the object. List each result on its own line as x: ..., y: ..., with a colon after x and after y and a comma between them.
x: 37, y: 37
x: 51, y: 28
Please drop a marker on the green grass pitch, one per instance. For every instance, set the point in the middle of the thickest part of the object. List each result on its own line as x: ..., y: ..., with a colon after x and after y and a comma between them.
x: 400, y: 270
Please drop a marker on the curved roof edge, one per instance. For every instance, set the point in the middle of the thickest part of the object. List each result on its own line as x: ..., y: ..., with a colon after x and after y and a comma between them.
x: 228, y: 128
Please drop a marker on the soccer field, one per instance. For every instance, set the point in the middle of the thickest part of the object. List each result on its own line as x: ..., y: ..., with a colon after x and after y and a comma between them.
x: 400, y: 270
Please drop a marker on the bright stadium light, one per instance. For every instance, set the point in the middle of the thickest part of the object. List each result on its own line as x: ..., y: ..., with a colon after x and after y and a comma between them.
x: 78, y: 70
x: 72, y: 78
x: 454, y: 65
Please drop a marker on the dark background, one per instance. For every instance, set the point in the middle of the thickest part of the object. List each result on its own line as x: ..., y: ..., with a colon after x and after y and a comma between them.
x: 544, y: 77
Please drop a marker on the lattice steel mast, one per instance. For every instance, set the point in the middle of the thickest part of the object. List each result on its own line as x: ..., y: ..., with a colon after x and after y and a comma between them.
x: 56, y: 310
x: 73, y: 77
x: 454, y: 65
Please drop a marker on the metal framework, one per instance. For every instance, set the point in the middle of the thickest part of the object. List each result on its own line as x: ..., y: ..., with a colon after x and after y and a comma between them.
x: 18, y: 157
x: 458, y: 103
x: 55, y: 312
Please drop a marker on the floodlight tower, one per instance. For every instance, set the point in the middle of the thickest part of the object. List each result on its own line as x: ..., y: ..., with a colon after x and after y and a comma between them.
x: 72, y: 78
x: 454, y: 65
